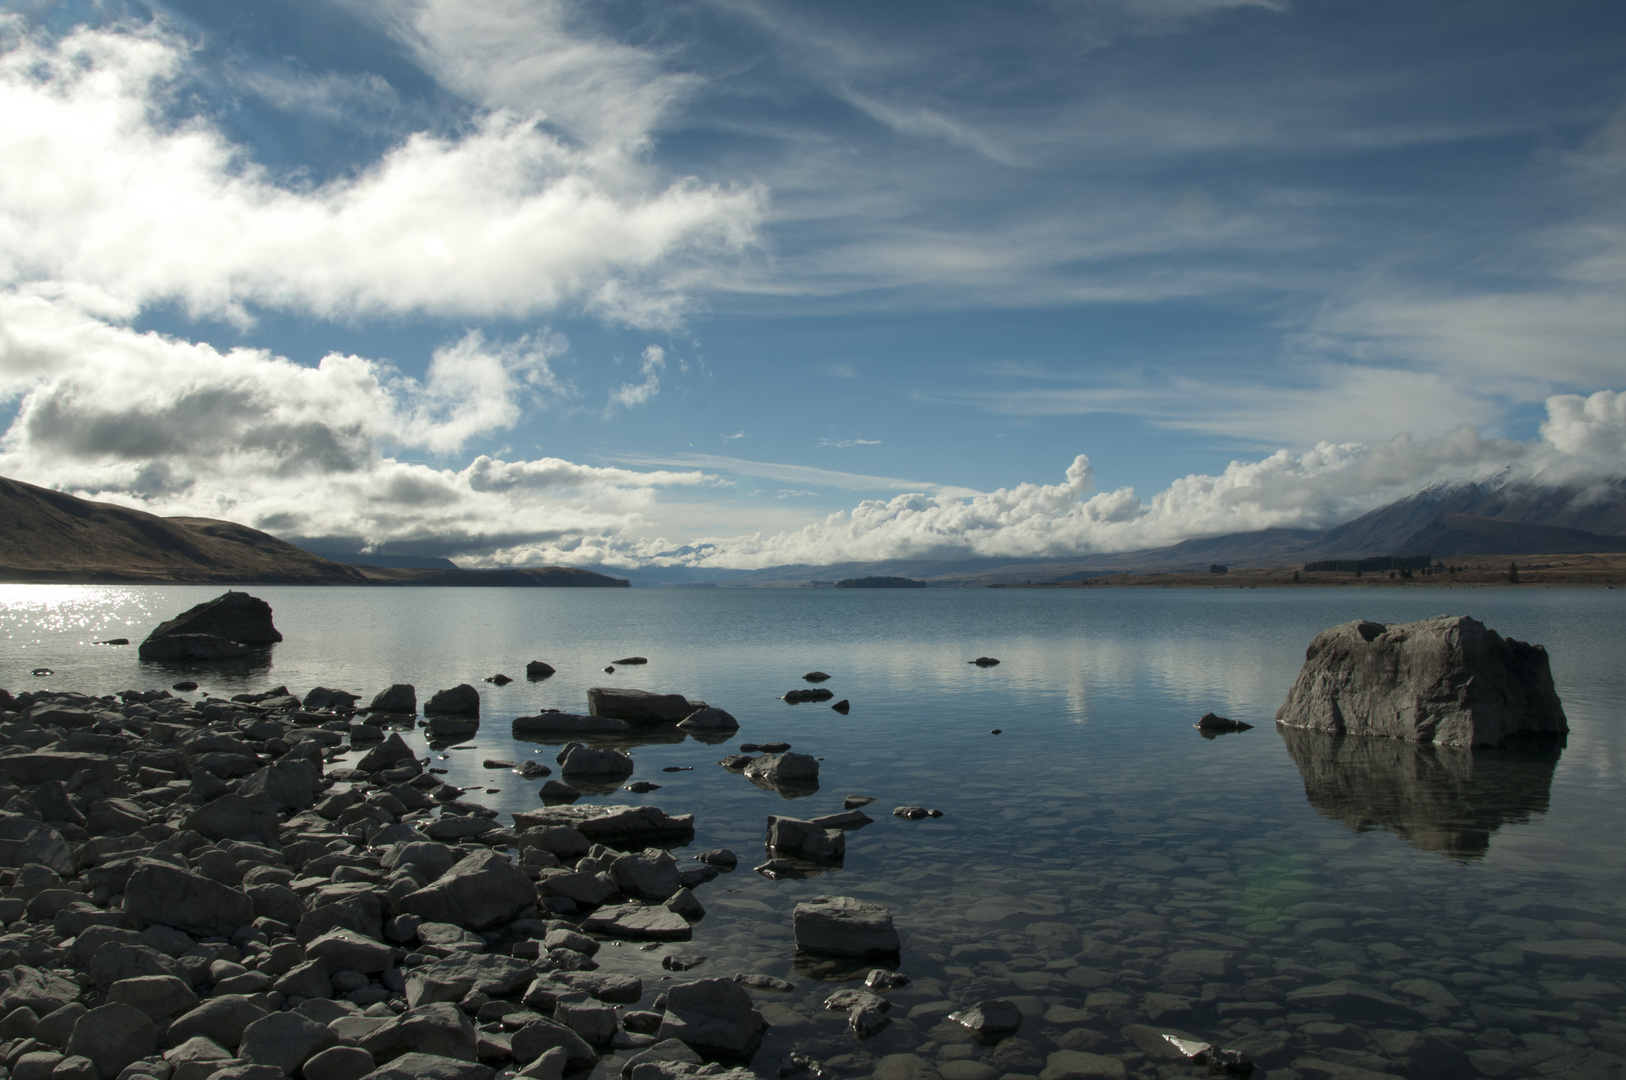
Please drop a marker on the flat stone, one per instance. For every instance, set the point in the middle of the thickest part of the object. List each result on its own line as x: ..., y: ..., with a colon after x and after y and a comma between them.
x: 843, y: 926
x: 650, y: 922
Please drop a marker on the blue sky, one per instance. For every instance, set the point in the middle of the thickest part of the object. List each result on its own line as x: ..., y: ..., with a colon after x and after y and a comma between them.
x: 525, y: 282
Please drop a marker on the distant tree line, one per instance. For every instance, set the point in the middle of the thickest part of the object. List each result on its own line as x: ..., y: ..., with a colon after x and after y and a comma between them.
x: 1372, y: 565
x: 880, y: 583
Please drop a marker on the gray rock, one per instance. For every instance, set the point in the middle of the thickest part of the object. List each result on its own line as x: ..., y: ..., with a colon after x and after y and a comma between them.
x: 539, y: 1036
x: 190, y: 647
x: 595, y: 761
x: 284, y: 1039
x: 460, y: 700
x: 400, y: 698
x: 667, y: 1050
x: 455, y: 977
x: 159, y: 996
x: 549, y: 1066
x: 323, y: 697
x: 338, y: 1063
x: 804, y: 839
x: 538, y: 669
x: 44, y: 766
x: 75, y: 1068
x: 235, y: 817
x: 482, y: 891
x: 430, y: 1067
x: 787, y: 768
x: 639, y: 922
x: 450, y: 729
x: 160, y: 893
x: 56, y: 1026
x: 438, y: 1028
x: 843, y: 926
x: 112, y: 1036
x: 713, y: 1017
x: 24, y: 841
x: 235, y: 616
x: 308, y: 980
x: 386, y: 754
x: 289, y: 782
x: 221, y: 1020
x: 36, y: 1065
x: 1446, y: 680
x: 569, y: 724
x: 614, y: 826
x: 637, y: 705
x: 429, y: 858
x: 866, y: 1021
x: 649, y: 875
x: 709, y: 719
x: 595, y: 1023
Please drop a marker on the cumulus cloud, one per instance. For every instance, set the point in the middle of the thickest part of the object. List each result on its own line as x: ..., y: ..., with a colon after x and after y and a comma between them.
x: 181, y: 428
x: 1583, y: 438
x: 107, y: 198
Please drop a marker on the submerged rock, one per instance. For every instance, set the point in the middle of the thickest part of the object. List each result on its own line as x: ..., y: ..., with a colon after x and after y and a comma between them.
x: 817, y: 693
x: 1446, y: 680
x: 638, y: 705
x: 1211, y: 724
x: 843, y: 926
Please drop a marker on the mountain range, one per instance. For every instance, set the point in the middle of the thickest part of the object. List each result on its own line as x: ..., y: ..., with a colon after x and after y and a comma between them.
x: 48, y: 536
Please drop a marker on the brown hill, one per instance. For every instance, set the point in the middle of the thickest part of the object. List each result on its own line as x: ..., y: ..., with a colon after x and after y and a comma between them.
x: 46, y: 536
x: 49, y: 537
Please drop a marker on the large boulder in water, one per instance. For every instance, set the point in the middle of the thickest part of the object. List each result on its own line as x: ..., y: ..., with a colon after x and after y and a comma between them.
x: 232, y: 618
x: 1447, y: 680
x: 628, y: 704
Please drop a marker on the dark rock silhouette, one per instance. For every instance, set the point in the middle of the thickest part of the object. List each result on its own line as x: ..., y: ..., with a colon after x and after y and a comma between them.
x: 1445, y: 799
x: 229, y: 625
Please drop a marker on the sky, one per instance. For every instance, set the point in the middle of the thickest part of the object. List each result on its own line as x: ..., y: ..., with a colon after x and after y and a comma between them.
x: 740, y: 283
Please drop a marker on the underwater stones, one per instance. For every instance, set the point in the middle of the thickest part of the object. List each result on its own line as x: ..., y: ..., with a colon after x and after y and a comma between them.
x: 637, y: 705
x: 844, y: 926
x: 989, y: 1017
x: 1447, y: 680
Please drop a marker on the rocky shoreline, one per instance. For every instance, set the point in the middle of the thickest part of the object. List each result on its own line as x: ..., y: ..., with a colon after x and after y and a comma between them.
x: 274, y: 886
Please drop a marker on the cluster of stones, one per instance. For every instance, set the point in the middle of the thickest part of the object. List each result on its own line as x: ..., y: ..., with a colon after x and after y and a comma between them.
x: 199, y: 890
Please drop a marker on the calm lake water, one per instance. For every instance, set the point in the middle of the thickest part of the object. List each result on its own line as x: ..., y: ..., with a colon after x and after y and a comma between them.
x: 1318, y: 902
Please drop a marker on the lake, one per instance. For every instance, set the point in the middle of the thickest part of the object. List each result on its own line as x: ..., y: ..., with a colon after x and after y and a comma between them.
x: 1323, y: 904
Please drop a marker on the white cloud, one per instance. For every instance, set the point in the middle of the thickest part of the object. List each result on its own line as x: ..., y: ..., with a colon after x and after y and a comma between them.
x: 844, y: 443
x: 628, y: 395
x: 105, y: 200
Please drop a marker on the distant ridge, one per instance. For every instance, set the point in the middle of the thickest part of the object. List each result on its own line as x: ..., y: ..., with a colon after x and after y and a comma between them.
x: 48, y: 537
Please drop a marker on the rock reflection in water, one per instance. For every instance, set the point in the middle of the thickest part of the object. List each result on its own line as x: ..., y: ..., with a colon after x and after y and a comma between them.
x: 1443, y: 799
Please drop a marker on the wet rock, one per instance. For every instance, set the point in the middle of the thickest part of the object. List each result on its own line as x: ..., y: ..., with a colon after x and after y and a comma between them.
x: 460, y: 700
x: 637, y: 705
x: 780, y: 769
x: 537, y: 669
x: 324, y: 698
x: 912, y: 813
x: 112, y: 1036
x: 222, y: 627
x: 720, y: 857
x: 389, y: 753
x: 593, y: 761
x: 817, y: 693
x: 545, y: 724
x: 647, y: 875
x: 635, y: 660
x: 989, y: 1017
x: 853, y: 802
x: 483, y: 890
x: 555, y: 791
x: 681, y: 963
x: 709, y: 719
x: 843, y: 706
x: 866, y: 1021
x: 651, y: 922
x: 847, y: 819
x: 843, y: 926
x: 1348, y: 1000
x: 805, y: 839
x: 614, y: 826
x: 1447, y: 680
x: 1213, y: 724
x: 170, y: 896
x: 402, y: 698
x: 498, y: 679
x: 882, y: 979
x: 713, y: 1017
x: 815, y: 676
x: 984, y: 661
x: 642, y: 787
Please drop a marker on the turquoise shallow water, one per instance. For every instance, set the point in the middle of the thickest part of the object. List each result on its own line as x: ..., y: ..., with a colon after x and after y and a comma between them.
x: 1099, y: 861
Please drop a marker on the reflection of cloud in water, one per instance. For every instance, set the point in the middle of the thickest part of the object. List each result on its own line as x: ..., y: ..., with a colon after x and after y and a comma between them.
x: 1439, y: 798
